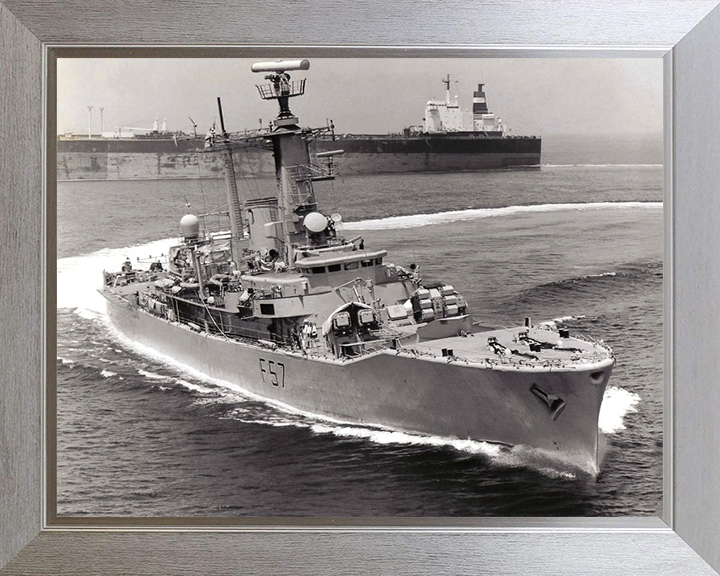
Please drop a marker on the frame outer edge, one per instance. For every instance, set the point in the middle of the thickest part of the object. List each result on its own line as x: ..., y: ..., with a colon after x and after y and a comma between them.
x: 21, y: 356
x: 696, y: 111
x: 401, y: 23
x: 20, y: 410
x: 56, y: 553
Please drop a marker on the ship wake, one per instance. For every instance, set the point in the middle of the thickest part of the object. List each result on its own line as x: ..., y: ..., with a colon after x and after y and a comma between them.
x: 418, y: 220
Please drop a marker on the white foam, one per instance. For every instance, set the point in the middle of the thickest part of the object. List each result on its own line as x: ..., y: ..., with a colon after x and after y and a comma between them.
x: 88, y: 314
x: 195, y: 387
x: 499, y: 455
x: 601, y: 165
x: 107, y: 374
x: 418, y: 220
x: 617, y: 403
x: 153, y: 376
x: 184, y: 369
x: 276, y: 423
x: 560, y: 320
x: 79, y: 277
x: 387, y: 436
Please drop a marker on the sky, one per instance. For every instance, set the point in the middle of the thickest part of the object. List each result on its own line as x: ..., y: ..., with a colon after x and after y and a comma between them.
x: 533, y: 96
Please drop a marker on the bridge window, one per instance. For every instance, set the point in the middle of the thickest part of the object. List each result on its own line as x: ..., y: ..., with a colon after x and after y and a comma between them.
x: 267, y: 309
x: 352, y: 265
x: 334, y: 268
x: 318, y: 269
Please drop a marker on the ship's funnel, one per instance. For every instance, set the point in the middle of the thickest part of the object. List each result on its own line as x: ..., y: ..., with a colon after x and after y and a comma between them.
x: 281, y: 66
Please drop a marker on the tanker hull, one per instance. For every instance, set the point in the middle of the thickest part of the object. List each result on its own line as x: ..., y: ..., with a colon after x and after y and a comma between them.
x: 164, y: 159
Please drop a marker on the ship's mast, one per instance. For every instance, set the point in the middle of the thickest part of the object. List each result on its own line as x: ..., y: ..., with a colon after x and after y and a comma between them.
x: 290, y: 147
x: 234, y: 207
x: 446, y: 81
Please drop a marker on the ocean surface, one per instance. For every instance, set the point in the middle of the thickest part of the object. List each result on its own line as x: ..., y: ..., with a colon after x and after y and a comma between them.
x: 578, y: 240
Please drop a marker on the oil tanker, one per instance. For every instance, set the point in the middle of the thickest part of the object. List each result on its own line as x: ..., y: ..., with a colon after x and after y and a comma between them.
x: 445, y: 142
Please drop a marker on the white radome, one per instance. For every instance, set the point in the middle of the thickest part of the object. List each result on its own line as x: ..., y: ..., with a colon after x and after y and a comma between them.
x: 315, y: 222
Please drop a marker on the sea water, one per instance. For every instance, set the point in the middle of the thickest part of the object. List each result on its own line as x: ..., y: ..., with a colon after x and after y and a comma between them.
x: 577, y: 241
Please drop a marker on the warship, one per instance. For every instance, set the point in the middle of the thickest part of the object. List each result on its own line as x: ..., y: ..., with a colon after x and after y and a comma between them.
x: 446, y: 141
x: 284, y: 306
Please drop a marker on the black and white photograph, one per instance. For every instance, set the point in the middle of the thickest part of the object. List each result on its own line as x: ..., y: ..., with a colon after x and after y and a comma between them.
x: 310, y: 287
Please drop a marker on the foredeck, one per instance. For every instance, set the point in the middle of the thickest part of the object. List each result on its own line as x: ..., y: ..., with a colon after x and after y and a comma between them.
x: 534, y: 348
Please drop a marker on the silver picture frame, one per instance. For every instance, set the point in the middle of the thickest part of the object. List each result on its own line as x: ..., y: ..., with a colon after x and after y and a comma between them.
x: 685, y: 540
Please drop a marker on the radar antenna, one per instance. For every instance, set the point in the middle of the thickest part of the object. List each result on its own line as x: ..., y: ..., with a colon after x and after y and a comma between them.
x: 281, y: 87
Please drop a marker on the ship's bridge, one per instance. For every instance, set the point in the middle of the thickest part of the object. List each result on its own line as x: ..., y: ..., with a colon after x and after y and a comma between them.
x: 333, y: 268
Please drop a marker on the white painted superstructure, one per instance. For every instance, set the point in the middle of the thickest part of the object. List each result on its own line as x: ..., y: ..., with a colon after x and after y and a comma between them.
x: 445, y: 116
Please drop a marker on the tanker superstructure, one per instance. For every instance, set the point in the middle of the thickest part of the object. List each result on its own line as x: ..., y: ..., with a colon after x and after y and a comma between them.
x: 447, y: 141
x: 286, y: 308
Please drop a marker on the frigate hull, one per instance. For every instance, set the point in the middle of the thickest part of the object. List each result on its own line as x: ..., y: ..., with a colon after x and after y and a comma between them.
x: 554, y: 411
